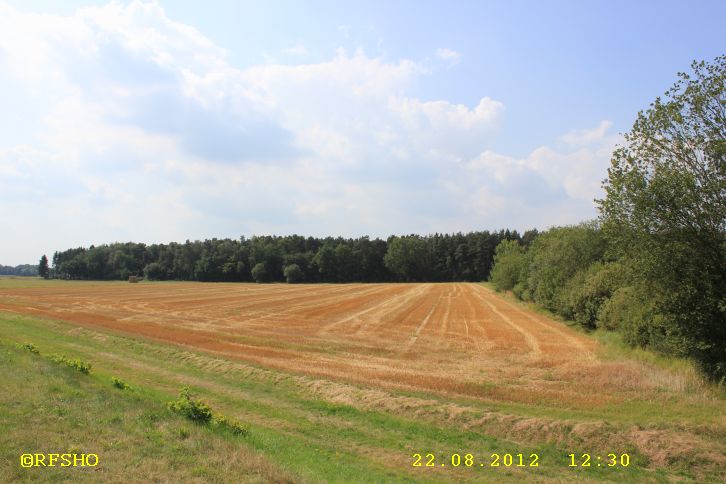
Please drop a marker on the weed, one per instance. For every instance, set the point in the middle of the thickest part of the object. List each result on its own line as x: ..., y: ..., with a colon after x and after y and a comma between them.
x: 149, y: 417
x: 30, y: 347
x: 77, y: 364
x: 195, y: 410
x: 231, y: 424
x: 199, y: 411
x: 120, y: 383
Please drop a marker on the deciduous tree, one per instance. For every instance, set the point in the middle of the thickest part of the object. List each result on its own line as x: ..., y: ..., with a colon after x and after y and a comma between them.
x: 665, y: 213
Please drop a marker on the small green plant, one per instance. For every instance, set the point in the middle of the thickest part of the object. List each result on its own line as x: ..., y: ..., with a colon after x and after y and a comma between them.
x: 231, y: 424
x: 77, y: 364
x: 199, y: 411
x: 120, y: 384
x: 30, y: 347
x: 195, y: 410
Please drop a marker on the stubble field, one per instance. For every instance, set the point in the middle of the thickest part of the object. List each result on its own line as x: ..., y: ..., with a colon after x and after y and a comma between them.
x: 486, y: 371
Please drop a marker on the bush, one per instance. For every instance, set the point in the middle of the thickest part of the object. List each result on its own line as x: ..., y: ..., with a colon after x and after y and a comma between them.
x: 194, y: 410
x: 77, y: 364
x: 521, y: 291
x: 293, y: 274
x: 200, y: 412
x: 233, y: 425
x: 120, y: 383
x: 30, y: 347
x: 628, y: 311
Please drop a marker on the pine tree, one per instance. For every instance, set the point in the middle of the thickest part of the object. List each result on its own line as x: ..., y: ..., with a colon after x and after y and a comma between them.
x: 43, y: 267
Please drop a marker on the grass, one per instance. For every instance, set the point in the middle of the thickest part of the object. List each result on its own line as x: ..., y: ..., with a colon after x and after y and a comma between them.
x: 295, y: 429
x: 48, y: 408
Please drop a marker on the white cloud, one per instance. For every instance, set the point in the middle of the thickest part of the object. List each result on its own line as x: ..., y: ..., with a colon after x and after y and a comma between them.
x: 296, y: 50
x: 580, y: 137
x: 442, y: 114
x: 549, y: 172
x: 150, y: 134
x: 452, y: 56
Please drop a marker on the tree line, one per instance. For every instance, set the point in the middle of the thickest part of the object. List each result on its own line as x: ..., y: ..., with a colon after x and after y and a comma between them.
x: 293, y: 259
x: 20, y: 270
x: 653, y: 266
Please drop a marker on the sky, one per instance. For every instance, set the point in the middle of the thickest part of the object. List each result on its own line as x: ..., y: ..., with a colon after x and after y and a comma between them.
x: 165, y: 121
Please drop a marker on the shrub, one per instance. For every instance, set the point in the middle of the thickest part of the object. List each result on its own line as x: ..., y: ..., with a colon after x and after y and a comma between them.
x: 628, y: 311
x: 521, y: 291
x: 195, y: 410
x: 30, y: 347
x: 120, y: 383
x: 200, y: 412
x: 231, y: 424
x: 77, y: 364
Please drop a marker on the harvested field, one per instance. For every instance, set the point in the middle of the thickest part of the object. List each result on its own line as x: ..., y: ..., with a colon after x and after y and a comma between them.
x: 453, y: 339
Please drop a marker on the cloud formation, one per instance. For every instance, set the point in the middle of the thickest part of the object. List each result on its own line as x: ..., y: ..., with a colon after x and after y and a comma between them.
x: 452, y: 56
x: 297, y: 50
x: 147, y: 133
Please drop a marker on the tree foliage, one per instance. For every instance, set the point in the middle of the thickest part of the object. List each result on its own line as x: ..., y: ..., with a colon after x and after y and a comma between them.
x: 437, y: 257
x: 407, y: 258
x: 20, y: 270
x: 664, y: 214
x: 509, y: 265
x: 555, y: 256
x: 293, y: 274
x: 656, y: 269
x: 43, y: 270
x: 259, y: 273
x: 588, y: 290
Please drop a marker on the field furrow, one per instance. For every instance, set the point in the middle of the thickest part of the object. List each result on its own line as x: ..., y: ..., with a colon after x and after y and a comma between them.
x: 456, y: 338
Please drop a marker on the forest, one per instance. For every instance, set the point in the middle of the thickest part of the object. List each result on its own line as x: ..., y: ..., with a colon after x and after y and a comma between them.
x: 293, y: 259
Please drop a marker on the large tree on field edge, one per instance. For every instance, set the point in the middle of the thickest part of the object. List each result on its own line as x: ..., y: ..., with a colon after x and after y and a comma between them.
x: 665, y: 214
x: 43, y: 270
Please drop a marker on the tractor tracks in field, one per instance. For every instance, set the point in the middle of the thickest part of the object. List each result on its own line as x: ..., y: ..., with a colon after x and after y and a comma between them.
x: 529, y: 338
x: 388, y: 306
x: 562, y: 333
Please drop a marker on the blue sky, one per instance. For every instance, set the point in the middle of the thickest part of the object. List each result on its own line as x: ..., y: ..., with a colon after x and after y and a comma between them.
x: 161, y: 121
